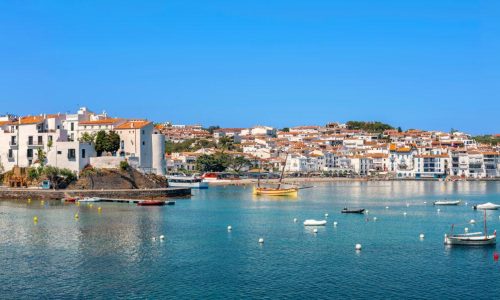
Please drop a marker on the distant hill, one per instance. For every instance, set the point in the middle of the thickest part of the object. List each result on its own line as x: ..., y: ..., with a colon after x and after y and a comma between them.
x: 368, y: 126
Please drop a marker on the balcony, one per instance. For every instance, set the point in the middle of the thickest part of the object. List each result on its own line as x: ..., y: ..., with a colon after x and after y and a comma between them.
x: 33, y: 144
x: 13, y: 144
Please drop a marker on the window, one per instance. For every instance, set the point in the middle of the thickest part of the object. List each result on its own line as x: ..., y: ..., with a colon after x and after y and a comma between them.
x: 40, y: 140
x: 29, y: 153
x: 11, y: 153
x: 50, y: 138
x: 143, y: 143
x: 143, y: 131
x: 59, y: 152
x: 30, y: 140
x: 83, y: 153
x: 71, y: 154
x: 72, y: 126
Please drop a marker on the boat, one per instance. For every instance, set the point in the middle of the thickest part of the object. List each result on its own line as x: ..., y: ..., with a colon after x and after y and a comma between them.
x: 314, y: 222
x: 170, y: 202
x: 471, y: 239
x: 194, y: 182
x: 353, y: 211
x: 447, y: 202
x: 219, y: 177
x: 150, y: 203
x: 279, y: 190
x: 89, y: 199
x: 70, y: 199
x: 488, y: 206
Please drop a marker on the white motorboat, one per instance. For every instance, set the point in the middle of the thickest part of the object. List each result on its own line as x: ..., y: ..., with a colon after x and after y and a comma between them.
x: 90, y: 199
x: 187, y: 181
x: 471, y: 239
x: 488, y: 206
x: 447, y: 202
x: 314, y: 222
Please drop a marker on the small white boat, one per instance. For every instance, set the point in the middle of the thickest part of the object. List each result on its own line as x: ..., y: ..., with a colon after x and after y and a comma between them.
x: 471, y: 239
x: 314, y: 222
x: 90, y: 199
x: 489, y: 206
x: 447, y: 202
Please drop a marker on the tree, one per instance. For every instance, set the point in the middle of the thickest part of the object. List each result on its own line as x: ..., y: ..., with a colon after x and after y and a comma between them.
x: 368, y: 126
x: 225, y: 143
x: 211, y: 129
x: 112, y: 142
x: 42, y: 156
x: 100, y: 142
x: 286, y: 129
x: 87, y: 137
x: 213, y: 163
x: 399, y: 129
x: 239, y: 162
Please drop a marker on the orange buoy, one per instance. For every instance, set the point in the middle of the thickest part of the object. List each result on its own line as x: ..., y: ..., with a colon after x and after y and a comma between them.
x: 495, y: 256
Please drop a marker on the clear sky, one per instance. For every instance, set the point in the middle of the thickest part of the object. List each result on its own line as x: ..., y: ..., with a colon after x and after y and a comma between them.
x: 430, y: 64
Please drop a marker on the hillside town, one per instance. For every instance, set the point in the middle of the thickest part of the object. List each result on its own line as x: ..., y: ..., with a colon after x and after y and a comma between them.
x: 333, y: 150
x: 338, y: 150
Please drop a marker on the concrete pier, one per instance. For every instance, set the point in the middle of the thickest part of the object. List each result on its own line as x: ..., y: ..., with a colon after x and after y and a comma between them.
x: 128, y: 194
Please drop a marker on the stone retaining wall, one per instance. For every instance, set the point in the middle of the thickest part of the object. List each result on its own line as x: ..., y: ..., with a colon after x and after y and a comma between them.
x: 8, y: 193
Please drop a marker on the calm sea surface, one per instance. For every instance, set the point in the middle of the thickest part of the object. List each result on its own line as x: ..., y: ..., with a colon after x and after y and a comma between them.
x: 112, y: 254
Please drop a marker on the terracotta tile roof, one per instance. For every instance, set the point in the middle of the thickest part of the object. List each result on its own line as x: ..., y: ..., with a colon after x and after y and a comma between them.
x: 133, y: 124
x: 107, y: 121
x: 30, y: 120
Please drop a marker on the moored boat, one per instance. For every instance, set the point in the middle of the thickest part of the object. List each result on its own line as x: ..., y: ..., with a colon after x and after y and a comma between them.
x: 471, y: 239
x: 70, y: 199
x: 353, y: 211
x: 89, y: 199
x: 312, y: 222
x: 151, y: 203
x: 447, y: 202
x: 487, y: 206
x: 187, y: 181
x: 278, y: 190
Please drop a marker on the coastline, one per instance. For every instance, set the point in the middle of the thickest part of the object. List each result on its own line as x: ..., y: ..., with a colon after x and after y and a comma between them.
x: 303, y: 180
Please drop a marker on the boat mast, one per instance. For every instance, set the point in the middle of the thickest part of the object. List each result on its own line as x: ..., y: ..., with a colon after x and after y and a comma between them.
x: 485, y: 229
x: 282, y: 172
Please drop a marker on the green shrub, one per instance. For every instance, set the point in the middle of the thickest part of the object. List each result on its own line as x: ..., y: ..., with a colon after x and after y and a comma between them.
x: 124, y: 165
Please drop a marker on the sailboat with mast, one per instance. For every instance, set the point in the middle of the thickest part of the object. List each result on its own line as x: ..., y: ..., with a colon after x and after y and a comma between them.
x: 471, y: 239
x: 279, y: 190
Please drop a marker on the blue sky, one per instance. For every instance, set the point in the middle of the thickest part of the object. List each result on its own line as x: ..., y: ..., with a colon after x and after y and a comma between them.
x: 430, y: 64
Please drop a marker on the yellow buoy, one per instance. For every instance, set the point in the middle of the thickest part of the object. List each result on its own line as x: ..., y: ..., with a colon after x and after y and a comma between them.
x: 29, y: 200
x: 91, y: 205
x: 35, y: 219
x: 77, y: 203
x: 42, y: 202
x: 76, y: 216
x: 99, y: 209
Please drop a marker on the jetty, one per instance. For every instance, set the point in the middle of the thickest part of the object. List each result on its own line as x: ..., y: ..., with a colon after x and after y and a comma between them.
x: 115, y: 194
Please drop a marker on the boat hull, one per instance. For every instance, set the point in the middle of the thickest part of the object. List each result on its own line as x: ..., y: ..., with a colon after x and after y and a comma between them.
x: 276, y: 192
x: 193, y: 185
x: 150, y: 203
x: 353, y: 211
x: 444, y: 203
x: 314, y: 223
x: 477, y: 241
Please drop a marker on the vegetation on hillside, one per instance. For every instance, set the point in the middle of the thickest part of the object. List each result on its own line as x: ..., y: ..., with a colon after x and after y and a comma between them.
x: 368, y: 126
x: 220, y: 162
x: 487, y: 139
x: 106, y: 142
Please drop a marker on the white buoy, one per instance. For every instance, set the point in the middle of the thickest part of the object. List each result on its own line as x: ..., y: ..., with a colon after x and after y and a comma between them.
x: 374, y: 218
x: 404, y: 214
x: 153, y: 238
x: 466, y: 203
x: 387, y: 207
x: 407, y: 204
x: 466, y: 229
x: 229, y: 228
x: 162, y: 237
x: 261, y: 241
x: 295, y: 220
x: 425, y: 202
x: 335, y: 223
x: 472, y: 221
x: 358, y: 247
x: 326, y: 215
x: 422, y: 236
x: 367, y: 211
x: 315, y: 230
x: 439, y: 210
